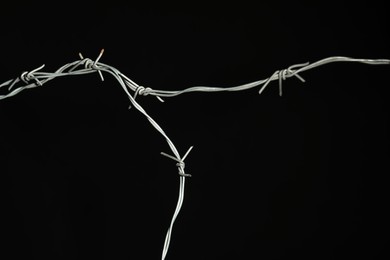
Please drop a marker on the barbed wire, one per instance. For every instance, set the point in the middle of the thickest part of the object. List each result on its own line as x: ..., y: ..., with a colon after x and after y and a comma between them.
x: 37, y: 78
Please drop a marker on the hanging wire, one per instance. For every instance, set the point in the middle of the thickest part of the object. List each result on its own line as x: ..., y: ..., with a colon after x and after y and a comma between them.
x: 37, y: 78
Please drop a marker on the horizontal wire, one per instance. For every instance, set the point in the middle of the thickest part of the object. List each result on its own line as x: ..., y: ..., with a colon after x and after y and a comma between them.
x: 94, y: 66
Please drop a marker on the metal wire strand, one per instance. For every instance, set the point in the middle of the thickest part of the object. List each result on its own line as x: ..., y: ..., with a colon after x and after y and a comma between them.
x: 37, y: 78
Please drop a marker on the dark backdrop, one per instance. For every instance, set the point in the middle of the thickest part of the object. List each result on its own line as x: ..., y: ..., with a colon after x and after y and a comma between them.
x: 299, y: 176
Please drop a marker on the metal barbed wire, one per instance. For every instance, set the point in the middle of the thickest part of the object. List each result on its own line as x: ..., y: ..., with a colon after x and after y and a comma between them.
x: 37, y: 78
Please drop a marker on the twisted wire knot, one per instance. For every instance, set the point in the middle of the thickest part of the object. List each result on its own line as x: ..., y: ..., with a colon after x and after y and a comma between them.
x: 180, y: 162
x: 283, y: 75
x: 90, y: 64
x: 181, y: 165
x: 26, y: 76
x: 141, y: 90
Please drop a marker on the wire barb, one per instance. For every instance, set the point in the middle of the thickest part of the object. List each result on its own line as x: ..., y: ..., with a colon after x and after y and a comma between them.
x: 26, y: 77
x: 142, y: 91
x: 180, y: 162
x: 90, y: 64
x: 283, y: 75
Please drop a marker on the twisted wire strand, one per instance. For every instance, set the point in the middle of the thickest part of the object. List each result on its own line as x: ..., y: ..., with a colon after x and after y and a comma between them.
x: 37, y: 78
x: 91, y: 66
x: 278, y: 75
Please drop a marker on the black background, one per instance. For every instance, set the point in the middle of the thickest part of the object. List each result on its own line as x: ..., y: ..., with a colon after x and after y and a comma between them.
x: 300, y: 176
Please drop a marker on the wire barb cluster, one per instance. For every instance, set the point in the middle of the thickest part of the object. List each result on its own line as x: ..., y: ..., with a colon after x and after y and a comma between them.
x: 36, y: 78
x: 180, y: 162
x: 283, y: 75
x: 27, y: 76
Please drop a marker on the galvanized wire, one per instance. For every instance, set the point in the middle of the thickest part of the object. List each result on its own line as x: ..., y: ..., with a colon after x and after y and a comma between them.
x: 36, y: 78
